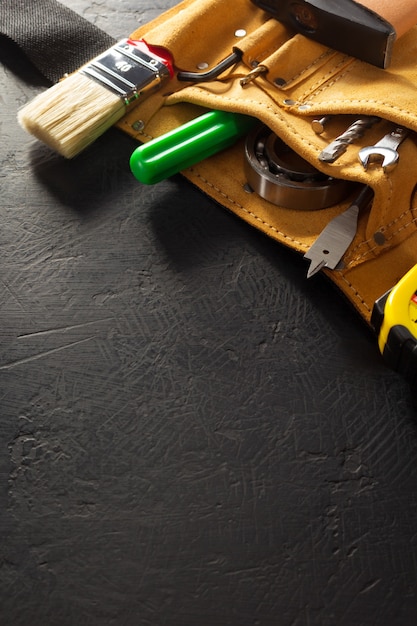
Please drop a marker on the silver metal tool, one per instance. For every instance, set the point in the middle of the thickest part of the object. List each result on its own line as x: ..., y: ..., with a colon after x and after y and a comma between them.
x: 214, y: 72
x: 281, y: 176
x: 334, y: 240
x: 319, y: 124
x: 339, y: 145
x: 385, y: 152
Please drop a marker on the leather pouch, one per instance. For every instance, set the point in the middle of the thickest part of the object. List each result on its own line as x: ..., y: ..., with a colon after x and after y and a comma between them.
x: 304, y: 80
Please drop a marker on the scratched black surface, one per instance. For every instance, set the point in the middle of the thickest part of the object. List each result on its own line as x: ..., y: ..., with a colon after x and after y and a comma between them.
x: 191, y: 432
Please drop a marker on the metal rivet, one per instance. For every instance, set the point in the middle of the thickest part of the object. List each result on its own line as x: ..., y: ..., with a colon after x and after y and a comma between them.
x: 304, y: 107
x: 138, y: 125
x: 280, y: 82
x: 248, y: 188
x: 241, y: 32
x: 289, y: 102
x: 319, y: 124
x: 254, y: 64
x: 379, y: 238
x: 202, y: 66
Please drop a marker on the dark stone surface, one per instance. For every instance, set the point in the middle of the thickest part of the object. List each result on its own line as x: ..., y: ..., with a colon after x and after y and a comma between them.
x: 191, y: 433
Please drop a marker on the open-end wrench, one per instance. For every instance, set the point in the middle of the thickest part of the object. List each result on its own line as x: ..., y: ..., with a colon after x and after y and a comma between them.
x: 385, y: 151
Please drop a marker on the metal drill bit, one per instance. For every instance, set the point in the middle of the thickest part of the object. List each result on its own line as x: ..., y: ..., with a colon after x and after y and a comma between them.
x: 334, y: 240
x: 339, y: 145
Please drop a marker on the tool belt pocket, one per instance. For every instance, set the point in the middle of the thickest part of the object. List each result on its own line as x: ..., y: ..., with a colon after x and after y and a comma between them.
x: 286, y: 82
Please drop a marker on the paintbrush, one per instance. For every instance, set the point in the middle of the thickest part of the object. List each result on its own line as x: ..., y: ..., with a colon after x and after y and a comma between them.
x: 73, y: 113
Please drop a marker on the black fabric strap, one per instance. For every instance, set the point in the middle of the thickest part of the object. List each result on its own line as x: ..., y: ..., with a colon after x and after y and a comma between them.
x: 55, y: 39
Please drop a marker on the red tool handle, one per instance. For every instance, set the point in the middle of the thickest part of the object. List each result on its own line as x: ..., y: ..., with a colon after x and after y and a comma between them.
x: 159, y: 52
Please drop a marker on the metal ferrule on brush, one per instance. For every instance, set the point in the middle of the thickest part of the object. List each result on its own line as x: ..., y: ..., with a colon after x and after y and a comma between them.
x: 128, y: 71
x: 74, y: 112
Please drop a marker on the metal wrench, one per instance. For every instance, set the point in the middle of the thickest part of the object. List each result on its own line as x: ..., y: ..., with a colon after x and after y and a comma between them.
x: 385, y: 151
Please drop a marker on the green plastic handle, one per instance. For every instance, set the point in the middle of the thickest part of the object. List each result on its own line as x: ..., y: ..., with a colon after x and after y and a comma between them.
x: 187, y: 145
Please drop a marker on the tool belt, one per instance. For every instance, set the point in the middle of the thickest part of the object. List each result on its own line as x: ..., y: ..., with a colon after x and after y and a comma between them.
x: 289, y: 81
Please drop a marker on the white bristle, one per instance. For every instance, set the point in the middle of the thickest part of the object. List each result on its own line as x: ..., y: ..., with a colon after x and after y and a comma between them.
x: 72, y: 114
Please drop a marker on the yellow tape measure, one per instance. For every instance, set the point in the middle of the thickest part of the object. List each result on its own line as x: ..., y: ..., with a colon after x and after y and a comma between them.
x: 394, y: 319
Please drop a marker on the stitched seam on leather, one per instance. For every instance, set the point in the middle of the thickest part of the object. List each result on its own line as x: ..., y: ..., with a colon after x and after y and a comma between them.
x: 368, y: 241
x: 308, y: 67
x: 368, y: 101
x: 242, y: 208
x: 382, y: 229
x: 356, y: 293
x: 314, y: 90
x: 276, y: 112
x: 265, y: 53
x: 143, y: 134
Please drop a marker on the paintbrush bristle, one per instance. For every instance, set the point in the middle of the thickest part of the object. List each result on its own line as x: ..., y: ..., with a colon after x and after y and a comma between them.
x: 72, y: 114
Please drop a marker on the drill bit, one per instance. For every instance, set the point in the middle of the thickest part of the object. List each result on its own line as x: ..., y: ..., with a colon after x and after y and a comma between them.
x: 334, y: 240
x: 339, y: 145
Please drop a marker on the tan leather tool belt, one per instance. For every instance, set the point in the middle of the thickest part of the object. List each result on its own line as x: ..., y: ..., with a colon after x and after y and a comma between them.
x: 303, y: 80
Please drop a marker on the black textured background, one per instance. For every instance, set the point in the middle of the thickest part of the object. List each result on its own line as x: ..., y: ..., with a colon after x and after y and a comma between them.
x: 191, y: 433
